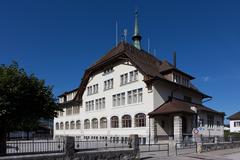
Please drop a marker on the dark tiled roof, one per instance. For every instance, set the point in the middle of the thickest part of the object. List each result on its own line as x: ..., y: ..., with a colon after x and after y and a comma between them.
x: 235, y: 116
x: 179, y: 106
x: 67, y: 92
x: 146, y: 63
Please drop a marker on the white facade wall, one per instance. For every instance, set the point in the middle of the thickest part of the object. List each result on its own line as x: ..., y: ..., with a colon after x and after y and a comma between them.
x: 232, y: 128
x: 145, y: 106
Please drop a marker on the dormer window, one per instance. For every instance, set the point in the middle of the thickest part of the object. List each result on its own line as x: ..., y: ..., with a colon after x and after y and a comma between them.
x: 65, y: 98
x: 107, y: 71
x: 180, y: 79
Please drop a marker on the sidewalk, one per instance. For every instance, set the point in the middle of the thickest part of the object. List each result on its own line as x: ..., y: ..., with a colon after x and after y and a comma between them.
x: 227, y: 154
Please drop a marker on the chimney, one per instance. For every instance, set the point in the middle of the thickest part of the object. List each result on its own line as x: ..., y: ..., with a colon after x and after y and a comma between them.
x: 174, y: 59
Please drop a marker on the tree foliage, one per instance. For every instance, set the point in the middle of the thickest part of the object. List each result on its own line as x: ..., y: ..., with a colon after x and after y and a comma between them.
x: 24, y: 99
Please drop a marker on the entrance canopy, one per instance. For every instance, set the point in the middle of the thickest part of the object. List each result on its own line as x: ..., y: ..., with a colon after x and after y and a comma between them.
x: 174, y: 105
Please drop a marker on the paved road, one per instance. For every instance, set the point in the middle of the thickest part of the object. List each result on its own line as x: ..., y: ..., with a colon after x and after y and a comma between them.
x: 227, y: 154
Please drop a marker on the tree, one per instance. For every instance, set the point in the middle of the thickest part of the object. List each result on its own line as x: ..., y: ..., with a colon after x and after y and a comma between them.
x: 24, y: 99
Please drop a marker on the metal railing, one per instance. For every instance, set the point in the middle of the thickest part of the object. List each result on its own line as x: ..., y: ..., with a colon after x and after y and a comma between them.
x: 185, y: 148
x: 83, y: 145
x: 154, y: 148
x: 34, y: 146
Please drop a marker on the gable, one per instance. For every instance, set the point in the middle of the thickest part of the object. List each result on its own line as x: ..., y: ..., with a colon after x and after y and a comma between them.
x: 146, y: 63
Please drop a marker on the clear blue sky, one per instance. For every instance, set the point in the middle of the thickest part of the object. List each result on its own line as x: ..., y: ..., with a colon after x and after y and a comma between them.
x: 57, y: 40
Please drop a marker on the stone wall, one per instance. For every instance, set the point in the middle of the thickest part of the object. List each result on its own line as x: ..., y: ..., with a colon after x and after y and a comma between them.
x: 206, y: 147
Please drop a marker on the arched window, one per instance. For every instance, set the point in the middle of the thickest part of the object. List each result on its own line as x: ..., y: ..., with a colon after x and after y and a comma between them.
x: 57, y: 126
x: 94, y: 123
x: 86, y: 124
x: 126, y: 121
x: 61, y: 125
x: 67, y: 125
x: 78, y: 124
x: 103, y: 122
x: 114, y: 122
x: 140, y: 120
x: 72, y: 125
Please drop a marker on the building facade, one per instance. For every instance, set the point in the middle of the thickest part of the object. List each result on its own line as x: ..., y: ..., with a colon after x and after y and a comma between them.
x: 235, y: 122
x: 129, y: 91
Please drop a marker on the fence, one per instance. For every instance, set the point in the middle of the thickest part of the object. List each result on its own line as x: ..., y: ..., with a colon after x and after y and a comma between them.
x: 83, y: 145
x: 70, y: 152
x: 185, y: 148
x: 34, y: 147
x: 219, y: 139
x: 154, y: 148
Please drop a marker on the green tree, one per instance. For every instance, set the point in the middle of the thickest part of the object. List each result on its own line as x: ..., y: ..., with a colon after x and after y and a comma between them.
x: 24, y: 99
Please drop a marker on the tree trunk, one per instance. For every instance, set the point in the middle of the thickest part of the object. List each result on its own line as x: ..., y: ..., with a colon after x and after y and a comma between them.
x: 3, y: 143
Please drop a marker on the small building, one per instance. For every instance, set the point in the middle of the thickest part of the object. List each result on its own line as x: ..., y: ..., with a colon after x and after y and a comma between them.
x: 234, y: 122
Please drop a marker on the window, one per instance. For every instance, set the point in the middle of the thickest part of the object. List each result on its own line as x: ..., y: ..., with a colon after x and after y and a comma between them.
x: 129, y: 77
x: 57, y: 126
x: 61, y: 113
x: 129, y: 97
x: 94, y: 123
x: 61, y: 125
x: 114, y: 122
x: 107, y: 71
x: 76, y: 110
x: 69, y: 111
x: 140, y: 95
x: 126, y: 121
x: 135, y: 96
x: 176, y: 78
x: 187, y: 99
x: 108, y: 84
x: 65, y: 98
x: 78, y: 124
x: 66, y: 125
x: 123, y: 98
x: 118, y: 99
x: 114, y: 100
x: 140, y: 120
x: 210, y: 121
x: 99, y: 103
x: 96, y: 104
x: 121, y: 79
x: 236, y: 124
x: 125, y: 78
x: 135, y: 75
x: 72, y: 125
x: 92, y: 89
x: 86, y: 124
x: 218, y: 123
x: 103, y: 122
x: 103, y: 103
x: 90, y: 105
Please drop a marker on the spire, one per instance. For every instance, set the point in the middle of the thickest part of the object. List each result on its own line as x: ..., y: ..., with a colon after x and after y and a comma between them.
x: 136, y: 36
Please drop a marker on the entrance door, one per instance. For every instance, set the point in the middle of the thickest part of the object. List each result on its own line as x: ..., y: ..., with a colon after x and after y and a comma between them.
x: 184, y: 125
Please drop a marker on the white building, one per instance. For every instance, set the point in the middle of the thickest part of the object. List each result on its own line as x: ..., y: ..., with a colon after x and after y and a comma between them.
x: 235, y: 122
x: 129, y: 91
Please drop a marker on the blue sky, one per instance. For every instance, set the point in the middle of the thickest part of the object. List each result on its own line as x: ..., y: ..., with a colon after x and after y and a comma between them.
x: 57, y: 40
